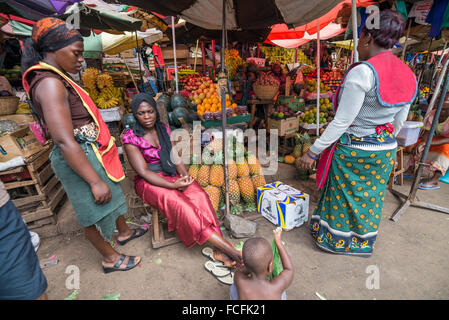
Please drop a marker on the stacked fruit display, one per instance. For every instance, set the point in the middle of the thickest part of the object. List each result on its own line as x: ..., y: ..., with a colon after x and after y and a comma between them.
x: 210, y: 107
x: 232, y: 62
x: 326, y: 113
x: 332, y: 79
x: 283, y: 111
x: 244, y: 176
x: 303, y: 144
x: 100, y: 88
x: 312, y: 86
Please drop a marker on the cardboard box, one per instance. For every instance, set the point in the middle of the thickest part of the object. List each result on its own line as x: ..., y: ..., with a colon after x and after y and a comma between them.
x: 127, y: 53
x: 182, y: 52
x: 21, y: 143
x: 283, y: 205
x: 285, y: 126
x: 21, y: 119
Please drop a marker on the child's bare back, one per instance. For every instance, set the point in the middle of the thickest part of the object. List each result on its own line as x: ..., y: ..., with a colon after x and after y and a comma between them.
x: 251, y: 281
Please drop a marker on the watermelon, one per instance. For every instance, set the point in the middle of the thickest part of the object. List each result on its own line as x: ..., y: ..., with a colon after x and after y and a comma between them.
x: 181, y: 112
x: 167, y: 101
x: 178, y: 101
x: 128, y: 120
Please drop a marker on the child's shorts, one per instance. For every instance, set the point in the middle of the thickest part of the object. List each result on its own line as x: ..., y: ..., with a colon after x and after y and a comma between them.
x: 235, y: 296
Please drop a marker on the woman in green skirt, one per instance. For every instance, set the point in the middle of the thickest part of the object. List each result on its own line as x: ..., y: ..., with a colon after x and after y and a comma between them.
x: 84, y: 157
x: 358, y: 147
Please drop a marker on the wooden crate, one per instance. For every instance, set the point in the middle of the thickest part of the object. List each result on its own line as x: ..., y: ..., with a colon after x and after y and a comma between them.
x: 35, y: 190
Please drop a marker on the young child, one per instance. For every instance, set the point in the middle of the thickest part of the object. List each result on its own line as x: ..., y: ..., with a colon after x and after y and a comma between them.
x: 251, y: 281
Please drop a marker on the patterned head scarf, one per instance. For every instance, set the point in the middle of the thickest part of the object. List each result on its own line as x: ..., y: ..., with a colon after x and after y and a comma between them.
x: 49, y: 35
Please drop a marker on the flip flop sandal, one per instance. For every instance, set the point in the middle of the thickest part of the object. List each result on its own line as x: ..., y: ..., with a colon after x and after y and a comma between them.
x: 423, y: 186
x: 130, y: 265
x: 209, y: 253
x: 228, y: 280
x: 134, y: 235
x: 217, y: 269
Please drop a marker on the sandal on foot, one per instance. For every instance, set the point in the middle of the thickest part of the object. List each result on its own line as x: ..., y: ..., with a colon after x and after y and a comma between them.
x: 209, y: 253
x: 218, y: 269
x: 130, y: 265
x: 228, y: 280
x: 423, y: 186
x: 136, y: 234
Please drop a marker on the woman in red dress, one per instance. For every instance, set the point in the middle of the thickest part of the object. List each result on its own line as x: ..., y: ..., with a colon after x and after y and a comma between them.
x: 167, y: 186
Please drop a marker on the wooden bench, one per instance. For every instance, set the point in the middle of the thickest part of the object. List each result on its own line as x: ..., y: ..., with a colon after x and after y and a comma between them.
x: 398, y: 168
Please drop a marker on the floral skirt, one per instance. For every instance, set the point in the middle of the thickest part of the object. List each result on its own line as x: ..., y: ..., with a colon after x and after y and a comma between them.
x: 347, y: 217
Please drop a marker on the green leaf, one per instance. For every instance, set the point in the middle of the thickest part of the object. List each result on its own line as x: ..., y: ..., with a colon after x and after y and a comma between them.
x: 72, y: 296
x: 111, y: 297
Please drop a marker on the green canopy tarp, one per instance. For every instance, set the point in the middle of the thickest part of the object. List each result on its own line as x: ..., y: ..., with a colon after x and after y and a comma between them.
x: 101, y: 18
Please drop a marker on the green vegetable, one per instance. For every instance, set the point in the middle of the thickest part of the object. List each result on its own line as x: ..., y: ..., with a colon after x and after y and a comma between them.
x: 277, y: 263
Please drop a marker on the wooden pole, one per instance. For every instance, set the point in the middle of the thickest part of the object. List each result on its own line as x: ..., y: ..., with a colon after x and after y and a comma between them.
x: 196, y: 54
x: 355, y: 30
x: 203, y: 57
x: 174, y: 52
x: 406, y: 39
x: 213, y: 56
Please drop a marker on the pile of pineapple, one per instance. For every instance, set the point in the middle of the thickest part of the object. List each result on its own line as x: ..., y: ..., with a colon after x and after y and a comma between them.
x: 100, y: 88
x: 303, y: 144
x: 244, y: 176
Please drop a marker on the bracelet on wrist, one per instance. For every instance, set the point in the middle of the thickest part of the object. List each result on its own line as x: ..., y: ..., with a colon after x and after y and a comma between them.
x: 314, y: 157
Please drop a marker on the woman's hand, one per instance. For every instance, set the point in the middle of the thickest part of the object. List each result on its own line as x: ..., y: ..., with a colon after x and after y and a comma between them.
x: 419, y: 149
x: 182, y: 183
x: 306, y: 162
x: 101, y: 192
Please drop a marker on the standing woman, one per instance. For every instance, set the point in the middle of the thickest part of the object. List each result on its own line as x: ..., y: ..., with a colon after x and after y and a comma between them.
x: 371, y: 106
x: 84, y: 156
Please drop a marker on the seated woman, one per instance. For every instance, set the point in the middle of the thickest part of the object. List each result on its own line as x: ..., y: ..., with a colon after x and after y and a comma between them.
x: 167, y: 186
x: 438, y: 156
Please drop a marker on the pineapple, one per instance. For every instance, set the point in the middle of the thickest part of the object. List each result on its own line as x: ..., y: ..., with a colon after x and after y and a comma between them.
x: 203, y: 175
x: 254, y: 165
x: 297, y: 152
x: 258, y: 181
x: 216, y: 175
x: 234, y: 191
x: 232, y: 170
x: 306, y: 143
x: 214, y: 196
x: 246, y: 189
x: 243, y: 169
x: 194, y: 170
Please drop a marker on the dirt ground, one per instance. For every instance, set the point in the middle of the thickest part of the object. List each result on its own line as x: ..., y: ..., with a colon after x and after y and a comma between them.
x: 411, y: 256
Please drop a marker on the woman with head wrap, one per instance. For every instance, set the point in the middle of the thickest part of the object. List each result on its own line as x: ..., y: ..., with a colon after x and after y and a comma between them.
x: 163, y: 182
x: 358, y: 147
x: 84, y: 156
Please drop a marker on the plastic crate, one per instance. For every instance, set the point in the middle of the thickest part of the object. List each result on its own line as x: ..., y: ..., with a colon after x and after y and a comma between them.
x: 409, y: 133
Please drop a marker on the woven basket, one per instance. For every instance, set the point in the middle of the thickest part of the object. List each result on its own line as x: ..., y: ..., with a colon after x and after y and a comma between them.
x: 8, y: 105
x: 265, y: 92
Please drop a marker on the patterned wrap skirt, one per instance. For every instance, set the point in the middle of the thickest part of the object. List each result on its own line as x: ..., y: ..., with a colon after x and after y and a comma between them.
x: 189, y: 213
x: 347, y: 217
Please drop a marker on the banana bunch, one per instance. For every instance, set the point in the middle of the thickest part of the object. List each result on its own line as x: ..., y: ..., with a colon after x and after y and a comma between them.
x: 93, y: 93
x: 104, y: 80
x: 89, y: 78
x: 109, y: 98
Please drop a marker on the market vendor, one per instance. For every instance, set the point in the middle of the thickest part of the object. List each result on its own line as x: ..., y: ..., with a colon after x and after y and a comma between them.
x: 372, y: 105
x: 84, y: 156
x: 276, y: 70
x: 438, y: 156
x: 299, y: 86
x: 163, y: 182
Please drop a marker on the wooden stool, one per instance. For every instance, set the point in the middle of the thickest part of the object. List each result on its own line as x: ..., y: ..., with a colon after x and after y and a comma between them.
x: 398, y: 169
x: 283, y: 148
x: 160, y: 237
